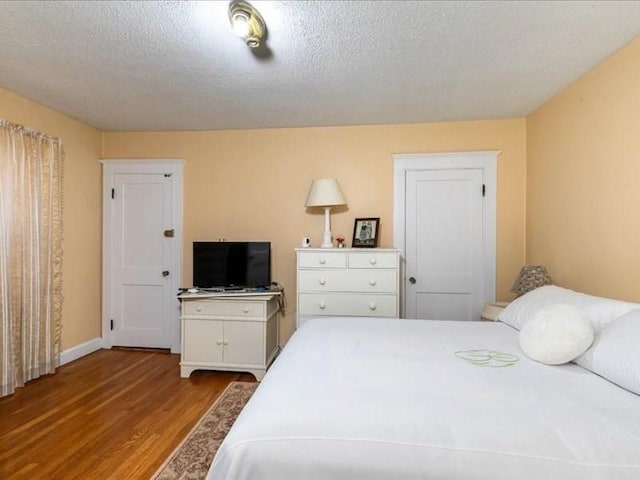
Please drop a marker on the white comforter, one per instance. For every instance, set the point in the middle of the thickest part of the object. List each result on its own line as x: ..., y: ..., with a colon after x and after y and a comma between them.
x: 388, y: 399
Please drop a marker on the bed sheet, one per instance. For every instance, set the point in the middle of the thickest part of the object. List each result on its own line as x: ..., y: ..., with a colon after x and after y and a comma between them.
x: 374, y: 398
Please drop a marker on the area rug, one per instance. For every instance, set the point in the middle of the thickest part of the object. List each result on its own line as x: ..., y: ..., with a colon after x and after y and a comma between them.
x: 192, y: 458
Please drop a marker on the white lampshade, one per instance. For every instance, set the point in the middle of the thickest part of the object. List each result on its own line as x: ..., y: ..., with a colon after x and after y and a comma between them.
x: 325, y: 192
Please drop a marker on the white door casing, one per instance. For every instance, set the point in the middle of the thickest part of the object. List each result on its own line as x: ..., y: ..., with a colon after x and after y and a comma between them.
x: 141, y: 265
x: 445, y: 228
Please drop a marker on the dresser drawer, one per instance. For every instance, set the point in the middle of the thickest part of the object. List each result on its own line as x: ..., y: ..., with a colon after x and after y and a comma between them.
x: 329, y: 259
x: 373, y: 260
x: 370, y: 280
x: 347, y: 305
x: 226, y: 308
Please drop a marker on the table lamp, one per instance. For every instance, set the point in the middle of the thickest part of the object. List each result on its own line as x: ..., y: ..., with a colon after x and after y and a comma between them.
x: 530, y: 278
x: 325, y: 193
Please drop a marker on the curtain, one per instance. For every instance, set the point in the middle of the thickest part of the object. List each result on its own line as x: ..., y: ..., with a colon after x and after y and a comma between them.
x: 31, y: 166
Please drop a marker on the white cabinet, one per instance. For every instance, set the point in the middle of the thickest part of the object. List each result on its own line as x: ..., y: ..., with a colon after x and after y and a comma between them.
x: 229, y: 332
x: 347, y: 282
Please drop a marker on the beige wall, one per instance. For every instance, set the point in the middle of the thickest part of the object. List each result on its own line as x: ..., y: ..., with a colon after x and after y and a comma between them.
x: 583, y: 181
x: 252, y: 184
x: 82, y: 218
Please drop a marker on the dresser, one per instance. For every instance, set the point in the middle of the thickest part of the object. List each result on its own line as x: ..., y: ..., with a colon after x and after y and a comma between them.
x: 229, y: 332
x: 347, y: 282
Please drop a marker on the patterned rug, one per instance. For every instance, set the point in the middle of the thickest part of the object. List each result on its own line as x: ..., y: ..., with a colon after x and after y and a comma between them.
x: 192, y: 458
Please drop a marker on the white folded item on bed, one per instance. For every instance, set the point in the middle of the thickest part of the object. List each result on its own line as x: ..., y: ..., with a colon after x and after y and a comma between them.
x: 375, y: 398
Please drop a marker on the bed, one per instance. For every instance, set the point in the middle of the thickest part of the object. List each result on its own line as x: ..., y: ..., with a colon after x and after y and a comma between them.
x: 375, y: 398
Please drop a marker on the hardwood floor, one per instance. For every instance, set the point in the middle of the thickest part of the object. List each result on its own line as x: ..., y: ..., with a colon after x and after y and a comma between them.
x: 113, y: 414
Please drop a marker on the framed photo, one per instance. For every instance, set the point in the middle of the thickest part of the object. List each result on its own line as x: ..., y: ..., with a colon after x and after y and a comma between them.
x: 365, y: 233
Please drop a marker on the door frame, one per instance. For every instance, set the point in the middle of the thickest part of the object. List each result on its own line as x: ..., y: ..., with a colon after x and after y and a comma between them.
x: 487, y: 161
x: 112, y: 166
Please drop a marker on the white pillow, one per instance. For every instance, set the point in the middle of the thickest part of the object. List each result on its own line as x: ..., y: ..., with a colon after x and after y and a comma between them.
x: 600, y: 311
x: 615, y: 354
x: 556, y: 335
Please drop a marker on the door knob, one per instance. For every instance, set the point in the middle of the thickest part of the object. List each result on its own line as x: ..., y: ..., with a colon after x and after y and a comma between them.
x: 165, y: 273
x: 412, y: 280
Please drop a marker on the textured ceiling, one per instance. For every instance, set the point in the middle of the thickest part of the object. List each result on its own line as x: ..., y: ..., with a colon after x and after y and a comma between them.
x: 169, y: 65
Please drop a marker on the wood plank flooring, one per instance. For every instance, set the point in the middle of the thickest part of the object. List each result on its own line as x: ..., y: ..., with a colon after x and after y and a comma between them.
x: 114, y: 414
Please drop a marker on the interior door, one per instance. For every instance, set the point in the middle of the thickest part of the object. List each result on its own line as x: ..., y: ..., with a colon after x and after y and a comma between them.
x: 444, y: 244
x: 140, y: 257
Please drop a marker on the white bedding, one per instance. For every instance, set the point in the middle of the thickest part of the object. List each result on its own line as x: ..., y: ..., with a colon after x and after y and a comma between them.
x: 388, y: 399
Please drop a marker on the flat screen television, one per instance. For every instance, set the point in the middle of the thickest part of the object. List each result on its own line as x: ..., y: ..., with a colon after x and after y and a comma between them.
x: 231, y: 264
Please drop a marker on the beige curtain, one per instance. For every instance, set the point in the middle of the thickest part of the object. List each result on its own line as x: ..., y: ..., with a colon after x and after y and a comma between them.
x: 30, y: 254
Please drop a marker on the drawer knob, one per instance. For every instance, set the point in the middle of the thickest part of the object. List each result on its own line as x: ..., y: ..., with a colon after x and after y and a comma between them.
x: 322, y: 281
x: 372, y: 306
x: 322, y: 261
x: 322, y: 305
x: 246, y: 310
x: 373, y: 261
x: 198, y: 309
x: 219, y: 342
x: 225, y: 342
x: 372, y: 282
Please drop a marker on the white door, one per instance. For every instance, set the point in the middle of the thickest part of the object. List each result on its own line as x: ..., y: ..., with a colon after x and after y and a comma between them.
x: 444, y: 244
x: 448, y: 234
x: 142, y: 254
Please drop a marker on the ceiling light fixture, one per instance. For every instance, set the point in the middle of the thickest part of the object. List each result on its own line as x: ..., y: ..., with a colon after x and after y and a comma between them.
x: 247, y: 23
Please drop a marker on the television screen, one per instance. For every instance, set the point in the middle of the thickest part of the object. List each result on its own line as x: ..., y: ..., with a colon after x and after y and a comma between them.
x: 231, y: 264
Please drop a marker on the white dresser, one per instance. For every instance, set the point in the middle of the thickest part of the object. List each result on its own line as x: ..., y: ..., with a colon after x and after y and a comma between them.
x: 229, y: 332
x: 347, y: 282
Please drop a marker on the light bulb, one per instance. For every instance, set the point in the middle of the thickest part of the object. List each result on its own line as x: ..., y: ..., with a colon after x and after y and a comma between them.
x: 241, y: 24
x: 247, y: 23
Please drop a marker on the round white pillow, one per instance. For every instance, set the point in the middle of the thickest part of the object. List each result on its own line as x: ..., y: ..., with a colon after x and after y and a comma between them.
x: 556, y: 334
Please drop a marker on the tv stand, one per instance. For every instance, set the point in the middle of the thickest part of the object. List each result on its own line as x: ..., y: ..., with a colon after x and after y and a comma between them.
x: 274, y: 290
x: 235, y: 330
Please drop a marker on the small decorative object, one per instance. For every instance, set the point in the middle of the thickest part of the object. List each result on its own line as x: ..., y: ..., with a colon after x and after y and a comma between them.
x: 306, y: 242
x: 530, y: 278
x: 488, y: 358
x: 365, y: 233
x: 340, y: 239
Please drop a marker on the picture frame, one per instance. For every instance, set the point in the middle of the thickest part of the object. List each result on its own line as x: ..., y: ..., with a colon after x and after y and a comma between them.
x: 365, y: 232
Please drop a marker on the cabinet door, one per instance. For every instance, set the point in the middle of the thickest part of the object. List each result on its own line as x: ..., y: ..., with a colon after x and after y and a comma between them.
x: 202, y: 341
x: 244, y: 342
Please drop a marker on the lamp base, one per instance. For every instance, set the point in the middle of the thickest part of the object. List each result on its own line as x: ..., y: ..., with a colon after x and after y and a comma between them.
x: 326, y: 240
x: 326, y: 235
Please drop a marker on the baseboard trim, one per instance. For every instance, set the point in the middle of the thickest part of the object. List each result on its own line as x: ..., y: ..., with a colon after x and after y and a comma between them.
x: 81, y: 350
